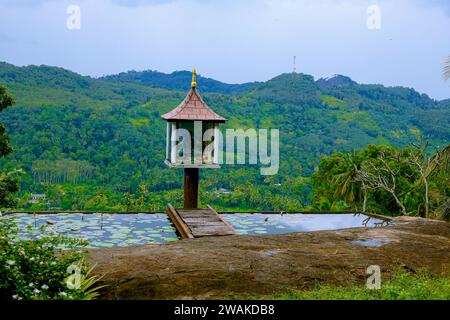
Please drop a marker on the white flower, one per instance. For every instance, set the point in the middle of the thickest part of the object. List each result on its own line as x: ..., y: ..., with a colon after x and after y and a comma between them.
x: 32, y: 259
x: 36, y: 291
x: 63, y: 294
x: 15, y: 296
x: 44, y: 287
x: 10, y: 262
x: 53, y: 263
x: 31, y: 284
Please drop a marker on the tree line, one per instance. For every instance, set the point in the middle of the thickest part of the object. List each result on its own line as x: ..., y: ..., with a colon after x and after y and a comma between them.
x: 413, y: 180
x: 61, y: 171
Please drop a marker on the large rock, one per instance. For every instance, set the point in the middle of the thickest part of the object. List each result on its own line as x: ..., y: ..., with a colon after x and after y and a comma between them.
x: 243, y: 266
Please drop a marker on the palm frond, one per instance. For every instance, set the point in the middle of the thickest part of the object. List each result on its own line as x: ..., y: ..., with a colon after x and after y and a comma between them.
x: 87, y: 285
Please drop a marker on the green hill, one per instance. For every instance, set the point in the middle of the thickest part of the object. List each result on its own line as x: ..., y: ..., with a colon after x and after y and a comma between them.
x: 179, y: 80
x: 88, y: 141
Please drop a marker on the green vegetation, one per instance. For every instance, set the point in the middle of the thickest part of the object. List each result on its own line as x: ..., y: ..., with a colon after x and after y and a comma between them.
x: 98, y: 144
x: 178, y: 80
x: 38, y: 269
x: 385, y: 179
x: 9, y: 184
x: 403, y: 286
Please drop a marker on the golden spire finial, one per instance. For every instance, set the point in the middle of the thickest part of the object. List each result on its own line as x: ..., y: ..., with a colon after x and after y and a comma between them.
x: 194, y: 79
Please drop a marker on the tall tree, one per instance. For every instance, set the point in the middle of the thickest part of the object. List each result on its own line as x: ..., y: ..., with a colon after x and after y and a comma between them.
x: 347, y: 187
x: 425, y: 165
x: 441, y: 178
x: 383, y: 174
x: 8, y: 183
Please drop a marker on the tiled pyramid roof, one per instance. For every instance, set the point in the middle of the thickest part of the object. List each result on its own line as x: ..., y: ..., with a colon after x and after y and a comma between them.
x: 193, y: 108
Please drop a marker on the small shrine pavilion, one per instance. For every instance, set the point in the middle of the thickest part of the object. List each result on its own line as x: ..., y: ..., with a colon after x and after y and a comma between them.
x: 191, y: 143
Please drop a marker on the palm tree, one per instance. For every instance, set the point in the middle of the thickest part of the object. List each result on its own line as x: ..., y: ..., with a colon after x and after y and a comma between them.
x: 447, y: 68
x: 347, y: 188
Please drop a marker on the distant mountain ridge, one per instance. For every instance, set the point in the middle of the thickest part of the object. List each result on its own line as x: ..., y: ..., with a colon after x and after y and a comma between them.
x: 178, y: 80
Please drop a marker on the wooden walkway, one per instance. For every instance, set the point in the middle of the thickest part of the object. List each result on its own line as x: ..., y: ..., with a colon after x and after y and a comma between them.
x: 197, y: 223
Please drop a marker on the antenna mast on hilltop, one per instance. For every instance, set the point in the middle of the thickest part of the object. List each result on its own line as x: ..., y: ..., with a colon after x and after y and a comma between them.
x: 294, y: 69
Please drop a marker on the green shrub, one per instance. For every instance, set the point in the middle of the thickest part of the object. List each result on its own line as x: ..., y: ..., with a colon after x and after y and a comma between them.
x: 39, y: 268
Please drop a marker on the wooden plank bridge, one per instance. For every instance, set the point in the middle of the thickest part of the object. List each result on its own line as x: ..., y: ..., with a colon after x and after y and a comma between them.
x: 197, y: 223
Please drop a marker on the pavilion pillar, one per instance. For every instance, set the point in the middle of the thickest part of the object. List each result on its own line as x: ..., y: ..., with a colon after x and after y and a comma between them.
x: 191, y: 188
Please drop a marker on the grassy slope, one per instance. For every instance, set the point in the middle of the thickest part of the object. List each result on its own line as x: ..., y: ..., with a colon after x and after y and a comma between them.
x: 403, y: 286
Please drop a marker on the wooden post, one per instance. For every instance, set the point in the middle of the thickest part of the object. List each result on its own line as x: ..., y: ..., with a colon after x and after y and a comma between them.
x: 191, y: 188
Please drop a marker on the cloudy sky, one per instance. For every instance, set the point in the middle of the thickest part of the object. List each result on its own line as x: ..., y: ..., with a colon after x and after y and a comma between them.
x: 236, y: 41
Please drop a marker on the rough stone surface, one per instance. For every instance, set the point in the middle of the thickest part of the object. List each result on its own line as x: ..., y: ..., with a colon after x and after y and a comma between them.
x: 245, y: 266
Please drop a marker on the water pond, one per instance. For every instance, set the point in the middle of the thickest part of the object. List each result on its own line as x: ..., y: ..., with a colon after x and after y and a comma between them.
x: 121, y: 230
x: 100, y: 230
x: 257, y: 223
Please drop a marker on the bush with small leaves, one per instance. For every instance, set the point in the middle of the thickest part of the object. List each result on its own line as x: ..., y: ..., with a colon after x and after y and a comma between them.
x: 38, y: 268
